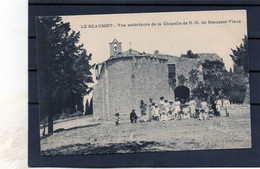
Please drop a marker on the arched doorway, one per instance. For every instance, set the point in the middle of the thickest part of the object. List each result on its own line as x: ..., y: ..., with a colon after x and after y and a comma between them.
x: 182, y: 92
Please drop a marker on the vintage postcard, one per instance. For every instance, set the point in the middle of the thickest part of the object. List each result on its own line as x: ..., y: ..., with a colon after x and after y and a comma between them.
x: 146, y: 82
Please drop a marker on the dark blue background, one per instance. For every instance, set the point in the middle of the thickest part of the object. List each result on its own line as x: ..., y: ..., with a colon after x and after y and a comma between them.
x: 227, y: 158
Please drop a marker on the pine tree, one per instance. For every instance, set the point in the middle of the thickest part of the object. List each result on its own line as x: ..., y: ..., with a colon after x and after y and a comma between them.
x: 64, y: 69
x: 240, y: 55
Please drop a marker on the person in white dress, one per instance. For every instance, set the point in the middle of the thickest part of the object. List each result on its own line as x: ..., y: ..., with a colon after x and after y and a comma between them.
x: 186, y: 111
x: 177, y: 109
x: 163, y: 116
x: 226, y: 105
x: 166, y: 106
x: 204, y: 109
x: 156, y: 113
x: 161, y: 105
x: 152, y: 111
x: 192, y: 104
x: 144, y: 118
x: 219, y: 105
x: 171, y: 111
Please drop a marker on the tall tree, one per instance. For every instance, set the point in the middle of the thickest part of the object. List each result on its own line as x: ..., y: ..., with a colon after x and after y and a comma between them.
x: 216, y: 76
x: 239, y: 92
x: 64, y: 69
x: 240, y: 55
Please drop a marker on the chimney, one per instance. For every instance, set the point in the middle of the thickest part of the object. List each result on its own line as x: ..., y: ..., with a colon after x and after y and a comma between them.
x: 156, y: 52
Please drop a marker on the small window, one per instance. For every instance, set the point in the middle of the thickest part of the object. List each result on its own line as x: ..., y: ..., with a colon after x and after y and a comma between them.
x: 172, y: 75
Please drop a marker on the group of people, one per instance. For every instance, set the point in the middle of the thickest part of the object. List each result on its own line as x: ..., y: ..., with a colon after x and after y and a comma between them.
x: 166, y: 110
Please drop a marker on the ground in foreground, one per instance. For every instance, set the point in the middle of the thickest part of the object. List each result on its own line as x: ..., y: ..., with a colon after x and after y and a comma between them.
x: 85, y: 136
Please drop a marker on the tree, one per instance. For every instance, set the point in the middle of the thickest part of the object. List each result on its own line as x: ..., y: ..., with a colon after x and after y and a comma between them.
x: 193, y: 77
x: 189, y: 54
x: 216, y: 78
x: 91, y: 106
x: 86, y: 108
x: 201, y: 91
x: 240, y: 55
x: 240, y: 82
x: 182, y: 80
x: 64, y: 69
x: 237, y: 91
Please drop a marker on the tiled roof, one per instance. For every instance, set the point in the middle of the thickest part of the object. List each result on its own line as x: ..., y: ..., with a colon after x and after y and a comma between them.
x: 130, y: 53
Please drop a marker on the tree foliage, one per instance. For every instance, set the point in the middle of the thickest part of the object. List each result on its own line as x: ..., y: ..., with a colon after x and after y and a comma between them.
x: 64, y: 69
x: 193, y: 77
x: 239, y: 76
x: 201, y: 91
x: 189, y: 54
x: 218, y: 81
x: 215, y: 79
x: 182, y: 80
x: 240, y: 55
x: 215, y: 75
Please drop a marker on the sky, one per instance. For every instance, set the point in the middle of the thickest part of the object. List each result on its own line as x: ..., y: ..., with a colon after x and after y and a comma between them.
x: 172, y: 37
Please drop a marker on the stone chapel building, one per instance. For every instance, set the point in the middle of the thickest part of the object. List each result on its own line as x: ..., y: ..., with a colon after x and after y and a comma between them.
x: 128, y: 77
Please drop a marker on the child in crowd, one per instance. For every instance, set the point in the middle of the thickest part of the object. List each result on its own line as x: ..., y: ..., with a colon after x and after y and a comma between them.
x: 177, y: 111
x: 117, y: 118
x: 152, y: 111
x: 210, y: 112
x: 143, y: 107
x: 164, y: 116
x: 171, y: 111
x: 166, y: 107
x: 156, y: 113
x: 161, y: 104
x: 144, y: 118
x: 185, y: 110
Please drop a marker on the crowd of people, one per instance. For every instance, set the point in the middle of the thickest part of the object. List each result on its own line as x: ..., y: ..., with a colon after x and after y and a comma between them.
x: 179, y: 109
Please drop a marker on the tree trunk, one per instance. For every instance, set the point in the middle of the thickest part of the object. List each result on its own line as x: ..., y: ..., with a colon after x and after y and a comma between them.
x: 247, y: 95
x: 50, y: 123
x: 44, y: 126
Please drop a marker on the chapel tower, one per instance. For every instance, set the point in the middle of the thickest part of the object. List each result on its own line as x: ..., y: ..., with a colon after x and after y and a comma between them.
x: 115, y: 47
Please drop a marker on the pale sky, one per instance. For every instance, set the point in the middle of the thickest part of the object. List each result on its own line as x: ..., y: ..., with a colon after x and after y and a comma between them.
x: 168, y: 39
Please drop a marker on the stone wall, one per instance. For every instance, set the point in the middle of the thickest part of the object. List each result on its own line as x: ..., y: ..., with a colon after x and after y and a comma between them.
x: 151, y: 81
x: 126, y: 82
x: 98, y: 97
x: 120, y: 86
